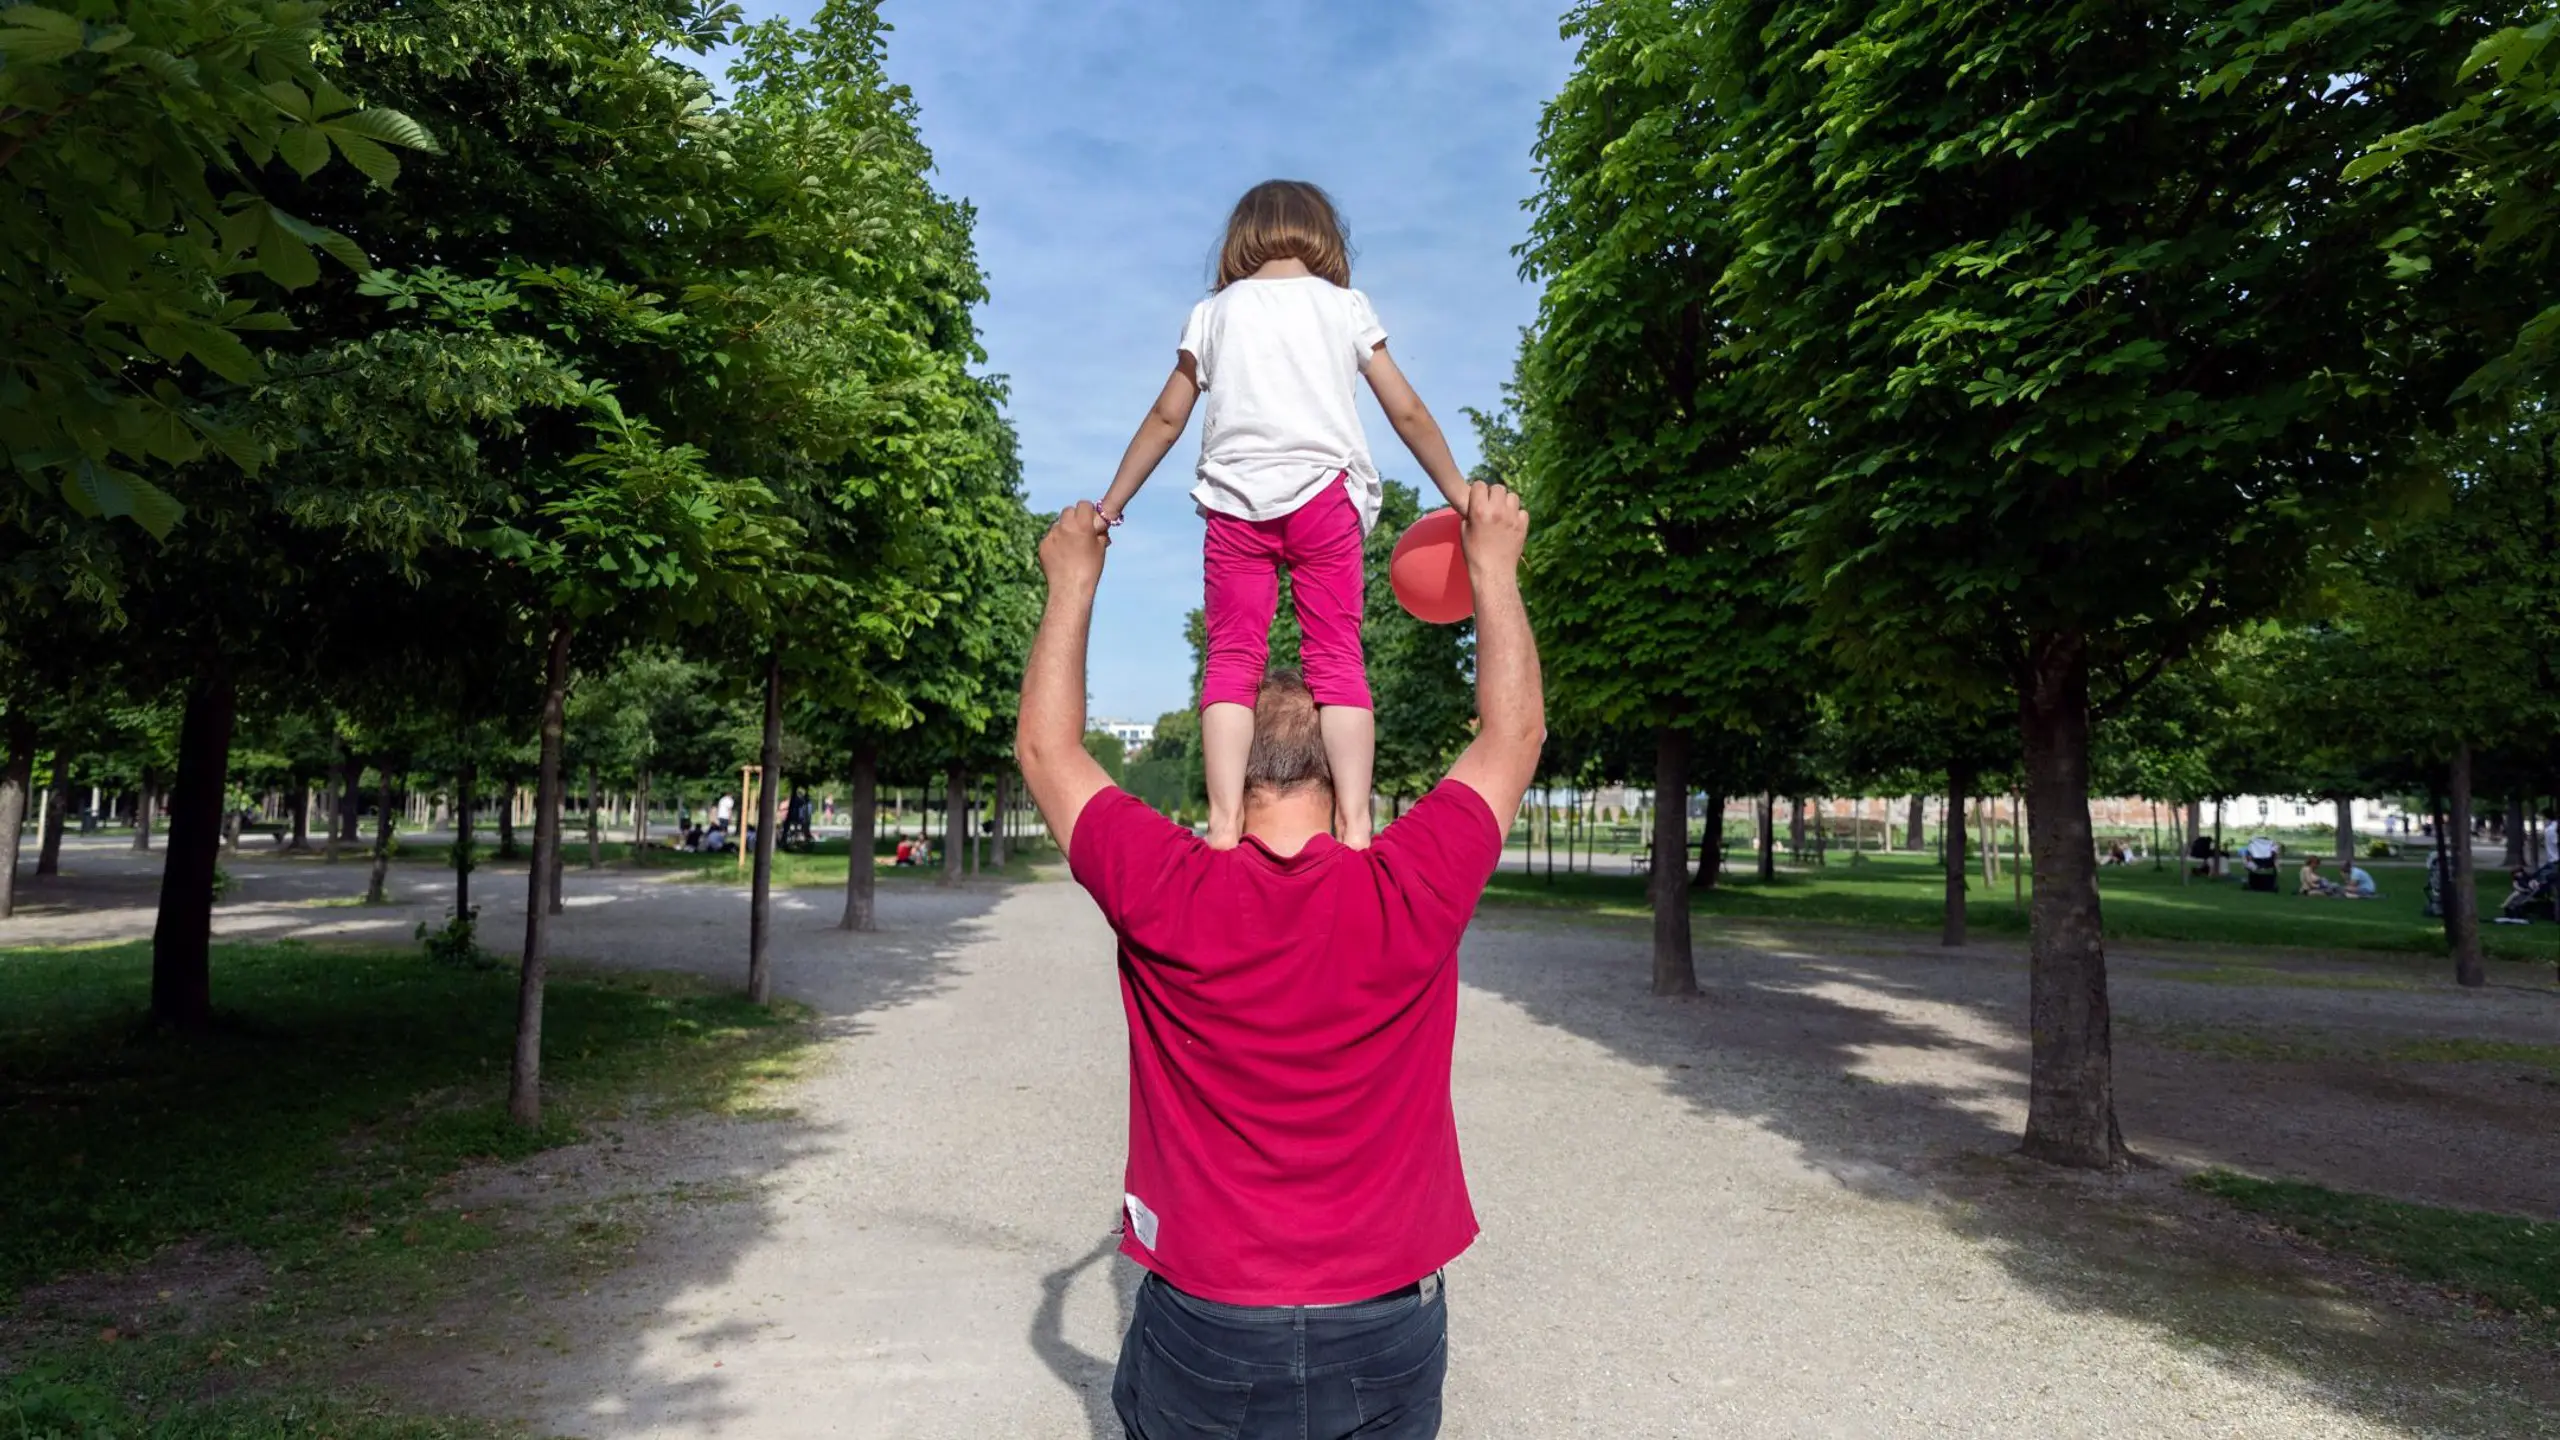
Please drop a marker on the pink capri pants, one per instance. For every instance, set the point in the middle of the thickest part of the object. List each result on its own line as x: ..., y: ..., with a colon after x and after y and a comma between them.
x: 1320, y: 542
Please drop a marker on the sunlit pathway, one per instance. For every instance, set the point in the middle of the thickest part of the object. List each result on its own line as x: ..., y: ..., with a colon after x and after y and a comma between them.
x: 1688, y: 1247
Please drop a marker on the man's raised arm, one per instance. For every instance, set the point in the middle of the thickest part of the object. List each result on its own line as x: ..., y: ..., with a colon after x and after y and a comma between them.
x: 1048, y: 738
x: 1511, y: 706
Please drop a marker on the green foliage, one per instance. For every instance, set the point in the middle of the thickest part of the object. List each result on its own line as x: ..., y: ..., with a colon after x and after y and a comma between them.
x: 2501, y: 1261
x: 2491, y: 161
x: 457, y: 943
x: 1989, y: 262
x: 141, y: 144
x: 1107, y: 751
x: 1662, y: 596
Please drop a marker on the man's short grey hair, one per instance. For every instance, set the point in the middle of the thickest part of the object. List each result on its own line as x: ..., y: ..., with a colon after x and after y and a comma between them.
x: 1288, y: 745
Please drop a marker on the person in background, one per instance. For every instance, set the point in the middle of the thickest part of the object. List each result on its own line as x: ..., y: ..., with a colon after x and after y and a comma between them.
x: 2358, y: 884
x: 2312, y: 884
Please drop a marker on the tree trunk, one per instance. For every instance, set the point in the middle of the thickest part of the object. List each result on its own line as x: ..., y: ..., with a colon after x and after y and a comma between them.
x: 301, y: 814
x: 2346, y: 836
x: 17, y: 782
x: 524, y: 1076
x: 1710, y: 843
x: 1795, y: 829
x: 377, y: 891
x: 2462, y: 895
x: 467, y: 785
x: 861, y: 874
x: 1675, y: 970
x: 2071, y: 1109
x: 2515, y: 831
x: 760, y: 902
x: 1915, y: 836
x: 1951, y: 844
x: 144, y: 800
x: 49, y: 837
x: 952, y: 781
x: 507, y: 820
x: 1768, y: 828
x: 182, y: 939
x: 1004, y: 817
x: 559, y: 845
x: 350, y: 796
x: 640, y: 816
x: 595, y: 799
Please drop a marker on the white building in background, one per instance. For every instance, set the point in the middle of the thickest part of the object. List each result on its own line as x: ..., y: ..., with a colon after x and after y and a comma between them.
x: 1133, y: 735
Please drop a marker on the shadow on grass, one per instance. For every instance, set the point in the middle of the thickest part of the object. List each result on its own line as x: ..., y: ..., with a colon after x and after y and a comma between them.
x: 1903, y: 1074
x: 311, y: 1145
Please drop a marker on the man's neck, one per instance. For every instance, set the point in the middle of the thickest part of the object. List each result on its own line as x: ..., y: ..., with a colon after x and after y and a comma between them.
x: 1285, y: 823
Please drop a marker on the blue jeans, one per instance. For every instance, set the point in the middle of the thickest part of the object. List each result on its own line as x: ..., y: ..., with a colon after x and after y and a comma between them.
x: 1192, y: 1368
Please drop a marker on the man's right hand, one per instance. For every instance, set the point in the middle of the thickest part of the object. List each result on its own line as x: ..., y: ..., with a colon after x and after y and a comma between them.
x: 1496, y: 528
x: 1071, y: 553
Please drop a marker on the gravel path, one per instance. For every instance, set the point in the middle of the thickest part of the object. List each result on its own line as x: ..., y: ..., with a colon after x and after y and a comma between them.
x: 1783, y: 1209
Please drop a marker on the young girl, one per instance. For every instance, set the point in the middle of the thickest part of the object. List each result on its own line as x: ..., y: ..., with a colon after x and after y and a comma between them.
x: 1285, y: 479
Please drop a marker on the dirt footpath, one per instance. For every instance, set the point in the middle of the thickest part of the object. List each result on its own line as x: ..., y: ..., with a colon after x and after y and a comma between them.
x: 1784, y: 1208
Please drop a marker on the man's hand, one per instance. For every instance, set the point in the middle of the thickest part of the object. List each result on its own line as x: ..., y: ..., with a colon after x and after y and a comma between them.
x: 1496, y: 529
x: 1071, y: 553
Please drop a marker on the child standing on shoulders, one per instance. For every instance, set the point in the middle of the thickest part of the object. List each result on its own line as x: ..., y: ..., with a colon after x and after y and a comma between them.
x: 1285, y: 479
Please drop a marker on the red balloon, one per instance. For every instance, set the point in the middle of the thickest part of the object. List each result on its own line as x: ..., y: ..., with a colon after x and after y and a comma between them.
x: 1429, y: 571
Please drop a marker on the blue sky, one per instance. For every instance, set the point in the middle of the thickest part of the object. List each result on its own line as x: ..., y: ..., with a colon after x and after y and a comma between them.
x: 1103, y: 143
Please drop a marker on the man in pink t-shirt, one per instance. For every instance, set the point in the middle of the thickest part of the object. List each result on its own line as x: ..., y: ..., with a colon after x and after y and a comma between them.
x: 1293, y: 1183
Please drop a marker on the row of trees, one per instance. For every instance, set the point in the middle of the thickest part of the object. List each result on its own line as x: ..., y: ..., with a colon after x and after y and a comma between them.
x: 2006, y: 387
x: 381, y: 384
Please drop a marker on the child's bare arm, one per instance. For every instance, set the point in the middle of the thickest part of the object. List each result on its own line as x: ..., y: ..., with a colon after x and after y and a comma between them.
x: 1156, y: 434
x: 1414, y: 425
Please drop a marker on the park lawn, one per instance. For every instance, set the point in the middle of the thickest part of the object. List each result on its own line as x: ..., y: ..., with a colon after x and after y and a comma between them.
x: 1906, y: 891
x: 337, y: 1089
x: 2501, y: 1261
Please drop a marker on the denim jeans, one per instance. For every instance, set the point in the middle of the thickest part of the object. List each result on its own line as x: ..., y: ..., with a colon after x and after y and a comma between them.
x: 1191, y: 1368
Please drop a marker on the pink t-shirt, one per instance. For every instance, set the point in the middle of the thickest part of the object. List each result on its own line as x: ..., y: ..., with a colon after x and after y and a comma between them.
x: 1290, y: 1027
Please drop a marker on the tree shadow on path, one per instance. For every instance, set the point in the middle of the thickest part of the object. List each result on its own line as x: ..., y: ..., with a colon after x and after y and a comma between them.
x: 1899, y: 1070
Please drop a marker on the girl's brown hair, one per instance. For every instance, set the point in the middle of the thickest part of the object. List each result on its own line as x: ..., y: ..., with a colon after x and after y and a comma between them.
x: 1285, y: 220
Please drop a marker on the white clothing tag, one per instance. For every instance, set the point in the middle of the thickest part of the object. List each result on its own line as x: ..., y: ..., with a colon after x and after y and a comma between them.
x: 1142, y: 1221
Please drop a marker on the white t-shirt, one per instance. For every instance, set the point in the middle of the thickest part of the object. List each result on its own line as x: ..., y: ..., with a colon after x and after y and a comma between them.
x: 1277, y: 361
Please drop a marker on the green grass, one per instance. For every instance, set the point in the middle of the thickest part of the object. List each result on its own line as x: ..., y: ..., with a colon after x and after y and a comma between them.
x: 2498, y: 1260
x: 336, y: 1087
x: 310, y: 1125
x: 1905, y: 892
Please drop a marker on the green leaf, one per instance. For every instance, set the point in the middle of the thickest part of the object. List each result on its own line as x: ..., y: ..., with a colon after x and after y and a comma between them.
x: 2370, y: 163
x: 106, y: 492
x: 304, y: 148
x: 35, y: 35
x: 378, y: 164
x: 390, y: 127
x: 168, y: 69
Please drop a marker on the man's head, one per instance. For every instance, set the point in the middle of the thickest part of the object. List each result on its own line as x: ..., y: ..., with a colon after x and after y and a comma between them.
x: 1287, y: 759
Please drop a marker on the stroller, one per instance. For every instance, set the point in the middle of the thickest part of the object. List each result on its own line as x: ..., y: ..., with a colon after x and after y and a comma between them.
x: 2258, y: 858
x: 2533, y: 893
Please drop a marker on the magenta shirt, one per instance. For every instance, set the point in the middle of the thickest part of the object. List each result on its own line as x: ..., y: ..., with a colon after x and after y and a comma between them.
x: 1290, y: 1028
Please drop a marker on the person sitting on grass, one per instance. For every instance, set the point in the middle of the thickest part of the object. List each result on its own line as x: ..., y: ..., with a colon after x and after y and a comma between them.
x: 2359, y: 883
x: 2312, y: 884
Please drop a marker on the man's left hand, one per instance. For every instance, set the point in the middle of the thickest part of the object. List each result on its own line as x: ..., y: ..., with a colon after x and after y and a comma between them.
x: 1071, y: 553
